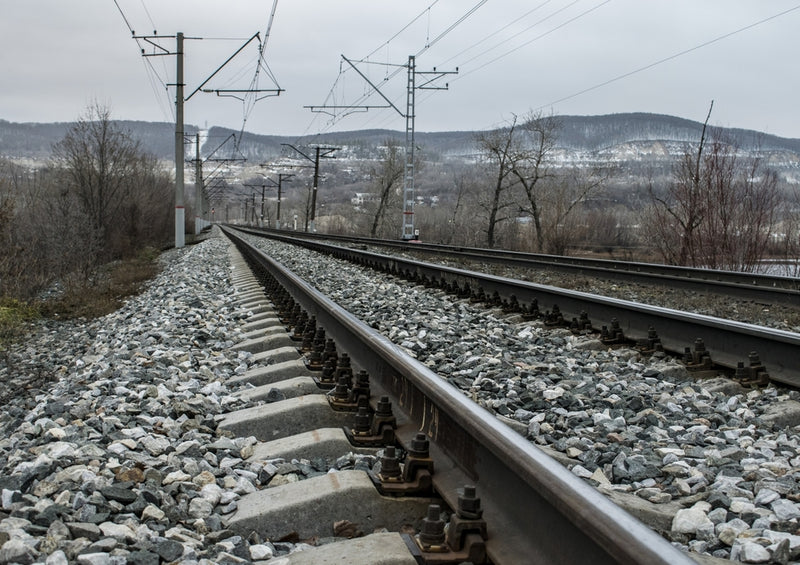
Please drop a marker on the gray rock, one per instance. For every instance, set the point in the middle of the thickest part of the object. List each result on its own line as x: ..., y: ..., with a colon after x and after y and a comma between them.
x: 84, y: 530
x: 168, y: 550
x: 750, y: 552
x: 785, y: 509
x: 18, y: 551
x: 142, y: 557
x: 688, y: 520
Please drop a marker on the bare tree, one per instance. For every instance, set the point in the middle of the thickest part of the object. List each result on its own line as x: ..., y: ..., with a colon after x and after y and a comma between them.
x: 99, y: 159
x: 386, y: 175
x: 461, y: 222
x: 533, y: 167
x: 501, y: 148
x: 720, y: 210
x: 679, y: 213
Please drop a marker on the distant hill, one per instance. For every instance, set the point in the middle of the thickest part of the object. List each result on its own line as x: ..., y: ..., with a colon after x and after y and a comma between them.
x: 35, y: 141
x: 599, y: 132
x: 578, y: 133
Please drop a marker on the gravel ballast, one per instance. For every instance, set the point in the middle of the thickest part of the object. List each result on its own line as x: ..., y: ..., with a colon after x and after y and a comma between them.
x: 109, y: 451
x: 110, y: 454
x: 721, y: 463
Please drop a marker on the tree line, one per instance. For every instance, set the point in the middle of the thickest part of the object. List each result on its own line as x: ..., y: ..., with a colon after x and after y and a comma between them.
x: 717, y: 206
x: 102, y: 197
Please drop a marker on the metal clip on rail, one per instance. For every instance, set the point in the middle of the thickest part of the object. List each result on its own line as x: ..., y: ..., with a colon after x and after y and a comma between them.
x: 346, y: 396
x: 582, y: 325
x: 613, y: 335
x: 754, y: 375
x: 531, y: 312
x: 373, y: 430
x: 698, y: 362
x: 329, y: 362
x: 651, y: 343
x: 315, y: 360
x: 555, y: 318
x: 415, y: 477
x: 461, y: 540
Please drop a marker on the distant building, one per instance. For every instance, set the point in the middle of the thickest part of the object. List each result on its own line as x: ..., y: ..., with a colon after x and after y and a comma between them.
x: 360, y: 198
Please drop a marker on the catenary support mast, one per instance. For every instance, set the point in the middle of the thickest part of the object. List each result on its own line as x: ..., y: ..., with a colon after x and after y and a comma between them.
x: 180, y: 211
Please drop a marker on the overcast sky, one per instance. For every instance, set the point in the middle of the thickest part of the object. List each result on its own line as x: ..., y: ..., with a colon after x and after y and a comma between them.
x: 58, y: 56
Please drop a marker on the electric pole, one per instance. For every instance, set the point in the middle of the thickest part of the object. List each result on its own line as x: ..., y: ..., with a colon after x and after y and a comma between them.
x: 198, y: 186
x: 320, y: 152
x: 158, y: 50
x: 180, y: 211
x: 408, y: 177
x: 408, y: 232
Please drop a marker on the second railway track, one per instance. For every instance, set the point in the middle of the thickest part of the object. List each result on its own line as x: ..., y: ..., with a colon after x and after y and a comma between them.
x: 703, y: 340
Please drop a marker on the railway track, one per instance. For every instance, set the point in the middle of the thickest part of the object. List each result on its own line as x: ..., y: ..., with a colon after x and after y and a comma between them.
x: 770, y: 289
x: 168, y: 434
x: 532, y: 509
x: 705, y: 343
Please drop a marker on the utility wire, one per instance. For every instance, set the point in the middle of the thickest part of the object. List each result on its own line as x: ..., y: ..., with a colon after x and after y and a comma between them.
x: 500, y: 30
x: 671, y: 57
x: 340, y: 77
x: 504, y: 41
x: 429, y: 44
x: 399, y: 68
x: 150, y: 70
x: 537, y: 38
x: 149, y: 17
x: 405, y: 27
x: 121, y: 13
x: 540, y: 36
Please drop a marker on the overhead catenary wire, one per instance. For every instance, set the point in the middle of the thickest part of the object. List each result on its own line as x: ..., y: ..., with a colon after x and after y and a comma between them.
x: 152, y: 74
x: 671, y: 57
x: 398, y: 67
x: 537, y: 38
x: 498, y: 31
x: 339, y: 80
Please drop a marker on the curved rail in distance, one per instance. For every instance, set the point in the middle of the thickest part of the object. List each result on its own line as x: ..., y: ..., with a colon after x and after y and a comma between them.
x: 536, y: 510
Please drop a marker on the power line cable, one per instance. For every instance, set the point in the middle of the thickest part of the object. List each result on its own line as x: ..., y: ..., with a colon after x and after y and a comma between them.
x: 149, y: 17
x: 500, y: 30
x: 339, y: 78
x: 454, y: 25
x: 121, y: 13
x: 151, y: 72
x: 537, y: 38
x: 671, y: 57
x: 404, y: 28
x: 540, y: 36
x: 399, y: 68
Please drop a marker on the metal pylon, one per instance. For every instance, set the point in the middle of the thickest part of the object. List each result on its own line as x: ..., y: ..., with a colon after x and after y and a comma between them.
x: 408, y: 177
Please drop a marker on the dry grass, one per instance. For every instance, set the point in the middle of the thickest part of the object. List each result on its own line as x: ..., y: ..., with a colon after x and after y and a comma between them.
x: 14, y: 314
x: 116, y: 282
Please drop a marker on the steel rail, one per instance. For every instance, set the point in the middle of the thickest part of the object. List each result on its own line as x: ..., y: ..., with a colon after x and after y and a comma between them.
x: 729, y: 342
x: 772, y: 289
x: 536, y: 510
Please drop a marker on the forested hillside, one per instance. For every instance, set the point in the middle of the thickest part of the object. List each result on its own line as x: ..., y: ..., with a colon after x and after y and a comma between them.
x: 578, y: 133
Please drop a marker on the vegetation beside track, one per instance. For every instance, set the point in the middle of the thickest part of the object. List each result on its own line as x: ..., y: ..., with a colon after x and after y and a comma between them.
x: 101, y: 295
